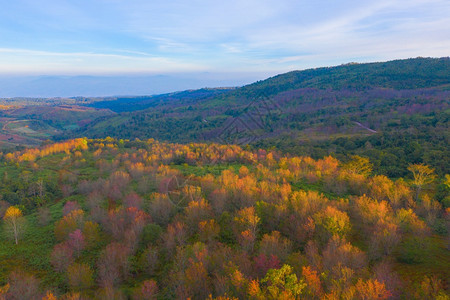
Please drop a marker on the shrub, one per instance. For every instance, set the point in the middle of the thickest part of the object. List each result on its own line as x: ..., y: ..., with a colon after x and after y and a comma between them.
x: 80, y: 276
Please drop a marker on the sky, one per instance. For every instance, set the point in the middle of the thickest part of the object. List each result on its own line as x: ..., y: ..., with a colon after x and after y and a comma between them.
x: 265, y: 37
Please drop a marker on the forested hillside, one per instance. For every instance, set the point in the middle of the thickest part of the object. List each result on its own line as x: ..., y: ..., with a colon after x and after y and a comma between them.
x: 126, y: 104
x: 118, y: 219
x: 30, y: 122
x: 396, y: 113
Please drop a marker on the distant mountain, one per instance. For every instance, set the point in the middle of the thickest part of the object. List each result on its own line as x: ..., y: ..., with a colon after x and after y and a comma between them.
x: 398, y: 74
x: 394, y: 112
x: 133, y: 103
x: 69, y: 86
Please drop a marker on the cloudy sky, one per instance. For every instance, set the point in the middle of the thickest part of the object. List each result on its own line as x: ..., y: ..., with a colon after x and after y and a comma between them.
x: 267, y: 37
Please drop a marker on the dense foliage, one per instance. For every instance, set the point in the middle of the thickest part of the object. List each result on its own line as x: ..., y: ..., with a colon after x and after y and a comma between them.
x: 111, y: 219
x: 396, y: 113
x: 124, y: 104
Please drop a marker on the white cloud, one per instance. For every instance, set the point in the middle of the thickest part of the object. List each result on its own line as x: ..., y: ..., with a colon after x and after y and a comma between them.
x: 252, y: 35
x: 44, y: 62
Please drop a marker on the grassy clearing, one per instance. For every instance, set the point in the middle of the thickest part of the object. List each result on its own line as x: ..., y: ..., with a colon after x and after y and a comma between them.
x: 434, y: 260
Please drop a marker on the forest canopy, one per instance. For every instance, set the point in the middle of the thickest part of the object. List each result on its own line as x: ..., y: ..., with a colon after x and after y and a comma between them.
x: 107, y: 218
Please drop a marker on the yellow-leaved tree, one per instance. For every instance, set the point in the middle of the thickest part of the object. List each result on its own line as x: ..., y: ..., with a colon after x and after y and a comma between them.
x: 423, y: 175
x: 359, y: 165
x: 14, y: 222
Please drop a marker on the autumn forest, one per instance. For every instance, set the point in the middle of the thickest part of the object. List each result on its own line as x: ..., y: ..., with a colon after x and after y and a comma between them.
x: 141, y: 219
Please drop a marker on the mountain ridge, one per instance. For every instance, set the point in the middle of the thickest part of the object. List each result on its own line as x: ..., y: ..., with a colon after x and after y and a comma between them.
x: 300, y: 109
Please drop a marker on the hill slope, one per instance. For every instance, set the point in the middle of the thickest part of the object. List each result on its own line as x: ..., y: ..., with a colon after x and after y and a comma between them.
x: 29, y: 123
x: 394, y: 112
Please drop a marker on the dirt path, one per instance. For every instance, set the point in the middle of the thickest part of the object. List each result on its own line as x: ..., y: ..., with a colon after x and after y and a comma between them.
x: 365, y: 127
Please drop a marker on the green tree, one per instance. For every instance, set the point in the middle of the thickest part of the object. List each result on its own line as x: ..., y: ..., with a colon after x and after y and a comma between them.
x: 283, y: 283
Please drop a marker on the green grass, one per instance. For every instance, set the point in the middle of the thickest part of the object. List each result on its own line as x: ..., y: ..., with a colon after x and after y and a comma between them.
x: 23, y: 129
x: 30, y: 129
x: 434, y: 260
x: 318, y: 187
x: 71, y: 127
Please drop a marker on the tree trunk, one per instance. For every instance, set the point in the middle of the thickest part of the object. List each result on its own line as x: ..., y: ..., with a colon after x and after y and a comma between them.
x: 15, y: 233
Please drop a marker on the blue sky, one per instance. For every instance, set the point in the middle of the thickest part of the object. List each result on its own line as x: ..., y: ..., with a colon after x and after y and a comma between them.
x: 230, y: 37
